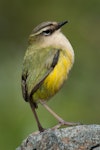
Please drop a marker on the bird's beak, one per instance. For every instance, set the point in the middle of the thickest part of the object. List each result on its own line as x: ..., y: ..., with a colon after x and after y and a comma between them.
x: 60, y: 24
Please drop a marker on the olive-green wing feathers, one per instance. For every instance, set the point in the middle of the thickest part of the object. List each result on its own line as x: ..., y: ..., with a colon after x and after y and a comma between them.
x: 36, y: 67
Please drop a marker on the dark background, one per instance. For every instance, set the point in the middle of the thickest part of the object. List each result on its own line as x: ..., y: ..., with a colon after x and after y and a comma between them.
x: 79, y: 99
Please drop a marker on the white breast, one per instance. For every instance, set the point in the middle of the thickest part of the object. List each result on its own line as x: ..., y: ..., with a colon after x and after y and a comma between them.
x: 58, y: 40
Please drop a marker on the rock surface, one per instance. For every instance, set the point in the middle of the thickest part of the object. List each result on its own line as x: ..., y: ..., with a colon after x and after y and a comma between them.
x: 83, y: 137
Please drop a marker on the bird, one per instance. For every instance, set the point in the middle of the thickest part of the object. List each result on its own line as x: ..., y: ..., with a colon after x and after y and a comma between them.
x: 46, y: 65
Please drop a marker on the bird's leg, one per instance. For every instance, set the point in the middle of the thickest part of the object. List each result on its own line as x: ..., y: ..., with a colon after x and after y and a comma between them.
x: 61, y: 121
x: 41, y: 129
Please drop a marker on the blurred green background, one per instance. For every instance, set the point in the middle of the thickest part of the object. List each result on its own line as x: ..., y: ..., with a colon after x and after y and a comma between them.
x: 79, y: 99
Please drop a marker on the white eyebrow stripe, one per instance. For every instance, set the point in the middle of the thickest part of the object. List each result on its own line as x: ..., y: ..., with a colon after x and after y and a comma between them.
x: 40, y: 31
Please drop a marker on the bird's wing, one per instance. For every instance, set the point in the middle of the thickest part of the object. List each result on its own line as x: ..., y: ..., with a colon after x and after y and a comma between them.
x: 36, y: 67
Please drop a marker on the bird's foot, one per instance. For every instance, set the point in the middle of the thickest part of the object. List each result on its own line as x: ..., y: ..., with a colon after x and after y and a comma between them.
x: 64, y: 123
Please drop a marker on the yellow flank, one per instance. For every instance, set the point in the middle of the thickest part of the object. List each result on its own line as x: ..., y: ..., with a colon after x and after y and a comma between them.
x: 55, y: 79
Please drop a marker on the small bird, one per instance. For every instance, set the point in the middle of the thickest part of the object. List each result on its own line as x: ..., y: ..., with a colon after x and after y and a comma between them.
x: 47, y: 62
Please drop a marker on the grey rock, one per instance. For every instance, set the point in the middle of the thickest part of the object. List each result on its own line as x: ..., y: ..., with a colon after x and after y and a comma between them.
x: 82, y: 137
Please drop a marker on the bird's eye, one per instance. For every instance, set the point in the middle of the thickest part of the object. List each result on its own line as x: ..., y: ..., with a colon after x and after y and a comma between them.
x: 47, y: 32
